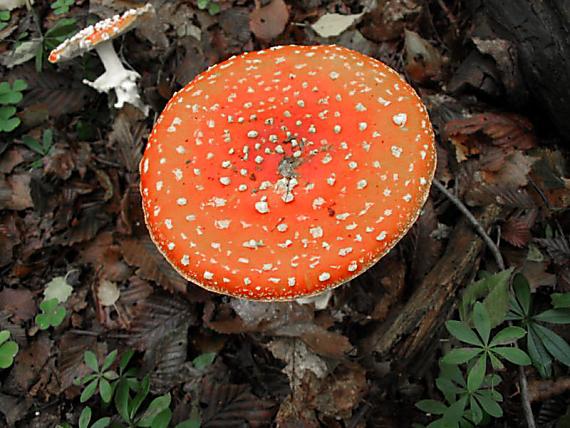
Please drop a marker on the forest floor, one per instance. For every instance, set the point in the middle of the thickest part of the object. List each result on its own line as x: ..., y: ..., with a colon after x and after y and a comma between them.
x: 73, y: 238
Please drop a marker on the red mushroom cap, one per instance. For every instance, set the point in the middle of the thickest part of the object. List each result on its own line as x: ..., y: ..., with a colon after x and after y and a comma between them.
x: 101, y: 32
x: 285, y: 172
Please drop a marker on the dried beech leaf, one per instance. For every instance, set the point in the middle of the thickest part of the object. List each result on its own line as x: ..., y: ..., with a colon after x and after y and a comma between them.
x: 15, y: 192
x: 334, y: 24
x: 70, y: 362
x: 233, y: 406
x: 128, y: 130
x: 269, y: 21
x: 19, y: 303
x: 57, y: 92
x: 158, y: 315
x: 107, y: 292
x: 143, y: 254
x: 299, y: 359
x: 423, y: 61
x: 91, y: 220
x: 167, y: 360
x: 516, y: 230
x: 557, y: 248
x: 504, y: 129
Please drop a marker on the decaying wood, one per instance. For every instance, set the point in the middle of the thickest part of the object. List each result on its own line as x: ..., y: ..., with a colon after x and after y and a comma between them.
x: 424, y: 313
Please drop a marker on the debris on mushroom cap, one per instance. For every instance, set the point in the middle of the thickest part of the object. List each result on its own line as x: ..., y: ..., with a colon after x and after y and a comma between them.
x: 102, y: 31
x: 285, y: 172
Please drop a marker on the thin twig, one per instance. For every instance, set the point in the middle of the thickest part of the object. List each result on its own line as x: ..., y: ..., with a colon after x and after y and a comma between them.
x: 527, y: 409
x: 492, y: 247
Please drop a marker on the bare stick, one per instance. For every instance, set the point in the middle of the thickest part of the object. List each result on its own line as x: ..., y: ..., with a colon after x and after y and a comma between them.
x: 492, y: 247
x: 501, y: 264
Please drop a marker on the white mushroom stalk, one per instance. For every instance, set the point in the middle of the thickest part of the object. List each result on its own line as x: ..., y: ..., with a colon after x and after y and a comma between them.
x: 117, y: 78
x: 100, y: 37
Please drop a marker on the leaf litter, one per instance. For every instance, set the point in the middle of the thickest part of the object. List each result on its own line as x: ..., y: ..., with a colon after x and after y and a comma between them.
x: 76, y: 208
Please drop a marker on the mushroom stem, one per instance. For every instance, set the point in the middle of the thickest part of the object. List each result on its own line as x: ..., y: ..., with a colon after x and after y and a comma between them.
x: 117, y: 77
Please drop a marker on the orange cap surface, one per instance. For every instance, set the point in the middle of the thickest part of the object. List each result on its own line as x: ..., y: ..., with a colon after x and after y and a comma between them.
x: 285, y: 172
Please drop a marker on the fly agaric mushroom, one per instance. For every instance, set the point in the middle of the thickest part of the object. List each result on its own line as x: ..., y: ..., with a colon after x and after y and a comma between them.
x: 100, y: 37
x: 286, y: 172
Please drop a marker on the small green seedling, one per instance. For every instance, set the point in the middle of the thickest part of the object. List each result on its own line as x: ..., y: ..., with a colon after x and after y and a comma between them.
x: 212, y: 7
x: 100, y: 378
x: 85, y: 418
x: 53, y: 314
x: 42, y: 148
x: 484, y: 348
x: 156, y: 415
x: 542, y: 343
x: 61, y: 6
x: 4, y: 18
x: 465, y: 407
x: 8, y: 350
x: 62, y: 30
x: 10, y: 95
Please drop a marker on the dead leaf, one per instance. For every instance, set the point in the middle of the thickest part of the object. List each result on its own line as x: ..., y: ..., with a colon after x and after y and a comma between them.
x: 503, y: 129
x: 19, y: 303
x: 9, y: 238
x: 423, y: 61
x: 299, y: 359
x: 15, y: 192
x: 128, y: 130
x: 334, y: 24
x: 107, y: 293
x: 269, y: 21
x: 516, y: 230
x: 341, y: 392
x: 70, y: 362
x: 158, y: 315
x: 557, y: 247
x: 59, y: 289
x: 55, y: 92
x: 227, y: 405
x: 143, y: 254
x: 544, y: 389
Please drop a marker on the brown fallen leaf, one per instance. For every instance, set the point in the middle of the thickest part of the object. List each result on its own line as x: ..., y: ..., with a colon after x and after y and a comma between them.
x: 227, y: 405
x: 503, y: 129
x: 143, y: 254
x: 19, y: 303
x: 516, y: 230
x: 423, y: 61
x: 269, y: 21
x: 9, y: 237
x: 15, y: 192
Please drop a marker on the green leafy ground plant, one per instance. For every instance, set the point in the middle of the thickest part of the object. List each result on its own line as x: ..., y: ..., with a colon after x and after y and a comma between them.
x: 543, y: 344
x: 10, y: 96
x: 4, y: 18
x: 8, y: 350
x: 52, y: 314
x: 42, y: 148
x: 60, y: 7
x: 100, y: 378
x: 210, y: 5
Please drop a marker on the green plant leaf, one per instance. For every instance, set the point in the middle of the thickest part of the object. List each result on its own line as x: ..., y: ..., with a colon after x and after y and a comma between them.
x: 508, y: 335
x: 155, y: 407
x: 476, y: 412
x: 8, y: 122
x: 8, y: 351
x: 32, y: 144
x: 554, y: 316
x: 102, y: 423
x: 455, y: 411
x: 460, y: 355
x: 560, y: 300
x: 521, y: 288
x: 162, y: 419
x: 85, y: 417
x: 204, y: 360
x: 91, y: 361
x: 213, y: 8
x: 125, y: 358
x: 88, y: 391
x: 202, y: 4
x: 105, y: 390
x: 539, y: 355
x: 514, y: 355
x: 19, y: 85
x: 490, y: 406
x: 144, y: 388
x: 497, y: 301
x: 554, y: 344
x: 190, y: 423
x: 495, y: 362
x: 109, y: 360
x: 462, y: 332
x: 122, y: 400
x: 431, y: 406
x: 477, y: 374
x: 482, y: 322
